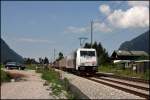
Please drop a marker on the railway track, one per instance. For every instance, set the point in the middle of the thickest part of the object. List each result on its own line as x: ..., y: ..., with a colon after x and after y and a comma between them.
x: 136, y: 88
x: 123, y: 77
x: 129, y: 85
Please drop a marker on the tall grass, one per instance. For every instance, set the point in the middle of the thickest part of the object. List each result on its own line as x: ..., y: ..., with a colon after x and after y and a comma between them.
x: 57, y: 84
x: 31, y: 66
x: 5, y: 77
x: 119, y: 70
x: 1, y: 66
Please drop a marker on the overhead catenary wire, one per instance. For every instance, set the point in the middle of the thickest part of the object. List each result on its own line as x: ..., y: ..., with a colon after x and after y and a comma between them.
x: 82, y: 42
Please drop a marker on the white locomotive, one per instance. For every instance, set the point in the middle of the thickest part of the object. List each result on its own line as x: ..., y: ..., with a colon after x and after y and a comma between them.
x: 82, y: 60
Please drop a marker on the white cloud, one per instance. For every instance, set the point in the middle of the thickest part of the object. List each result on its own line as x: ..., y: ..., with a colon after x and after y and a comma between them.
x: 138, y: 3
x: 101, y: 27
x: 31, y: 40
x: 97, y: 27
x: 105, y: 9
x: 72, y: 29
x: 137, y: 16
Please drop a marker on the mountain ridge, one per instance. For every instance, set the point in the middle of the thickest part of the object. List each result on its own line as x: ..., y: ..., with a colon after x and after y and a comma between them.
x: 7, y: 54
x: 139, y: 43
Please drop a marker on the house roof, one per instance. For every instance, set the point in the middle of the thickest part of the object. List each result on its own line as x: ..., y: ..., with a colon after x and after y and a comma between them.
x: 142, y: 61
x: 130, y: 53
x: 121, y: 61
x: 139, y: 53
x: 122, y: 52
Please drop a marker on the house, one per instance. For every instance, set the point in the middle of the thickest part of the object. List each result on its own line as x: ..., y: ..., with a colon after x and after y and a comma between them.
x: 142, y: 65
x: 131, y: 59
x: 127, y: 55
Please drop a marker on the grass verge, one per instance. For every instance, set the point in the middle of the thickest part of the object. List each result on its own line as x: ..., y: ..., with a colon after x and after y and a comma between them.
x: 2, y: 66
x: 5, y: 77
x: 31, y: 66
x: 58, y: 85
x: 123, y: 72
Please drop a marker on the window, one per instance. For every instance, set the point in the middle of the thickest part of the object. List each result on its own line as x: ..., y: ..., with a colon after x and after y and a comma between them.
x: 87, y: 53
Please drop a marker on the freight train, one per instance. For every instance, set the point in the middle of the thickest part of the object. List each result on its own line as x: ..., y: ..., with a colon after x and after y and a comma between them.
x: 83, y: 60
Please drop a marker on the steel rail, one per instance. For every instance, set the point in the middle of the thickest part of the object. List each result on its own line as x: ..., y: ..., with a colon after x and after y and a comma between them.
x: 120, y: 88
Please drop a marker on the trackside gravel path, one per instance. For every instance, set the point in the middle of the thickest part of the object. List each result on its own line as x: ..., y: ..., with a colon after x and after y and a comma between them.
x: 96, y: 90
x: 31, y: 87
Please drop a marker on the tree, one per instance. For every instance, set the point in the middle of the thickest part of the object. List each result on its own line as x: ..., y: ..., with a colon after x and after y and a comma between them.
x: 40, y: 60
x: 102, y: 54
x: 87, y: 45
x: 29, y: 61
x: 46, y: 61
x: 60, y: 56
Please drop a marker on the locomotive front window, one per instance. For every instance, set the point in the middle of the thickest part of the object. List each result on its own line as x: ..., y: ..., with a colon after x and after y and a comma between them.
x: 87, y: 53
x: 91, y: 53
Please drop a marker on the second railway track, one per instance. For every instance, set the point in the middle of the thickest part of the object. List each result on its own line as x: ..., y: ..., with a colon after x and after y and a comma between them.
x: 139, y: 89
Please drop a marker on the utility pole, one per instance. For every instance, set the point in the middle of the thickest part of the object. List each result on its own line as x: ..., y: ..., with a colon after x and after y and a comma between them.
x: 54, y: 53
x: 81, y: 42
x: 91, y: 33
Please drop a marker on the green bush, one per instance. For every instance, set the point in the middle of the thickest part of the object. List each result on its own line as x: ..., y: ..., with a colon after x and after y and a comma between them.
x: 31, y: 66
x: 5, y: 77
x: 50, y: 76
x: 70, y: 95
x: 2, y: 66
x: 146, y: 75
x: 107, y: 68
x: 66, y: 87
x: 40, y: 70
x: 53, y: 77
x: 66, y: 84
x: 56, y: 88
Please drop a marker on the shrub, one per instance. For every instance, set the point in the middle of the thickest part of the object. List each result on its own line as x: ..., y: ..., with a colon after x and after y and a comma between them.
x: 50, y: 75
x: 2, y: 66
x: 31, y: 66
x: 119, y: 70
x: 146, y: 75
x: 66, y: 84
x: 56, y: 88
x: 5, y: 77
x: 57, y: 84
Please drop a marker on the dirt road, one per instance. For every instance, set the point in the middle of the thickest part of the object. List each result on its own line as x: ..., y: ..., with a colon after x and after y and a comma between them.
x: 31, y: 87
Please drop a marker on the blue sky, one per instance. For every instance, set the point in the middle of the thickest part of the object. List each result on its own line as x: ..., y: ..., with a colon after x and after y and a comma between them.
x: 35, y: 28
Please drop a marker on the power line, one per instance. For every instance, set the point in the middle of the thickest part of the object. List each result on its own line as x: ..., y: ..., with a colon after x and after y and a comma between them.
x: 54, y: 53
x: 92, y: 23
x: 82, y: 42
x: 91, y: 33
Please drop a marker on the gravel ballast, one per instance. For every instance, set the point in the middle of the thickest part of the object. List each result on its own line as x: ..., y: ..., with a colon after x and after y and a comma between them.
x: 31, y: 87
x: 94, y: 90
